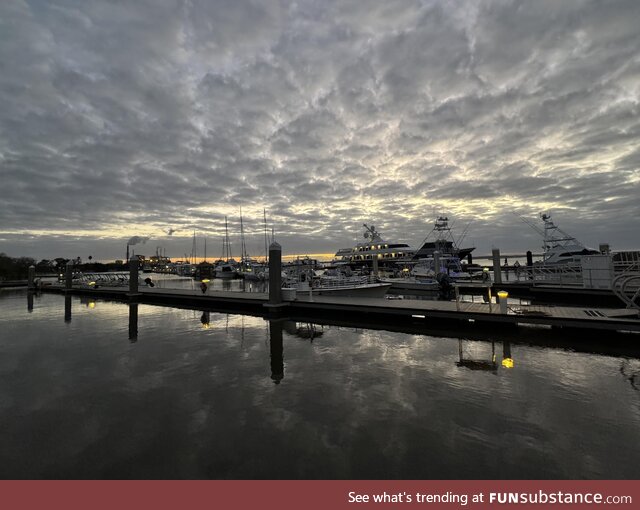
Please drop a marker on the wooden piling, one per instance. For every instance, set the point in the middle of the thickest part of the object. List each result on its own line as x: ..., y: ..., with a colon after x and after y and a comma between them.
x: 31, y: 278
x: 497, y: 272
x: 133, y: 276
x: 68, y: 280
x: 275, y: 274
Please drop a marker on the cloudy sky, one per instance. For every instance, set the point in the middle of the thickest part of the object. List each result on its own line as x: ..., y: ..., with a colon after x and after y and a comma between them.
x: 132, y: 118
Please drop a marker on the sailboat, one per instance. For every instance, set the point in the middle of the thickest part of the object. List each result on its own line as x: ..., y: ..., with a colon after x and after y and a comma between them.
x: 226, y: 268
x: 249, y: 268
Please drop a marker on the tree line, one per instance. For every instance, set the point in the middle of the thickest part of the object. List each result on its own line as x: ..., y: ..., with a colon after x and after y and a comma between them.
x: 17, y: 268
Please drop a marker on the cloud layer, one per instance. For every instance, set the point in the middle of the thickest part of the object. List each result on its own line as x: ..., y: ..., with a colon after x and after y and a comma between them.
x: 121, y: 119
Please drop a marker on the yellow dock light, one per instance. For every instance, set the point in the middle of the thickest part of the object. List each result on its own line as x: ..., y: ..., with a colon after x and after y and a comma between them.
x: 92, y: 283
x: 206, y: 281
x: 507, y: 362
x: 502, y: 298
x: 92, y: 304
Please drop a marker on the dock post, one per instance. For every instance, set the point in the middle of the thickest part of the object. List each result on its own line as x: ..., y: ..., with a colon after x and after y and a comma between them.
x: 436, y: 262
x: 68, y: 278
x: 133, y: 276
x: 497, y: 273
x: 31, y: 277
x: 530, y: 265
x: 275, y: 274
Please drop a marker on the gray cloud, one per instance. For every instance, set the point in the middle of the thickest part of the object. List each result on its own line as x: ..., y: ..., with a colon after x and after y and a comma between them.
x: 118, y: 119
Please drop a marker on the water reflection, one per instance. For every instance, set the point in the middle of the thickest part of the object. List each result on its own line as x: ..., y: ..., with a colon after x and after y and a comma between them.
x: 276, y: 350
x: 67, y: 308
x: 305, y: 330
x: 30, y: 301
x: 507, y: 359
x: 477, y: 363
x: 133, y: 322
x: 630, y: 373
x: 357, y: 403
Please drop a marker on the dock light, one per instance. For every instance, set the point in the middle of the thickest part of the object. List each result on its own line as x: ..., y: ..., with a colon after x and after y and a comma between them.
x: 502, y: 297
x: 92, y: 304
x: 507, y: 362
x: 92, y: 283
x: 206, y: 280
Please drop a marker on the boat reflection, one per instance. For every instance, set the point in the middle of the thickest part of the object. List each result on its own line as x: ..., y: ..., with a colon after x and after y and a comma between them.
x: 305, y: 330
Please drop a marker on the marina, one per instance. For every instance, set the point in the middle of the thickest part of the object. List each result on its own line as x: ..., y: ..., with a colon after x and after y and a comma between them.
x: 357, y: 243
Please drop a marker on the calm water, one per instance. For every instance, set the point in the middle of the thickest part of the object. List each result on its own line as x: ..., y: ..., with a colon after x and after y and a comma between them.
x: 86, y: 391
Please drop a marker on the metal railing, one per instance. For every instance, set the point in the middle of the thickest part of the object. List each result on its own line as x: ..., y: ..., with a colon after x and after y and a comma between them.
x: 626, y: 286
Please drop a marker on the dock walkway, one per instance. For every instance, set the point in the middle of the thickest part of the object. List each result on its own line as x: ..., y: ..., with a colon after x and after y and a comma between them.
x: 365, y: 309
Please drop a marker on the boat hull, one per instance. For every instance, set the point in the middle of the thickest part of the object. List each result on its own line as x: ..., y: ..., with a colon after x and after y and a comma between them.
x: 373, y: 290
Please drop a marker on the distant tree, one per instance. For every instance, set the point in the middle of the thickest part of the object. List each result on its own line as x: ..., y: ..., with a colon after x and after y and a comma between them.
x: 14, y: 268
x: 45, y: 266
x: 60, y: 262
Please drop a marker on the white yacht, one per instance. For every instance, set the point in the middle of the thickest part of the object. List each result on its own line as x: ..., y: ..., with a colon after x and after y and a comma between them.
x: 362, y: 254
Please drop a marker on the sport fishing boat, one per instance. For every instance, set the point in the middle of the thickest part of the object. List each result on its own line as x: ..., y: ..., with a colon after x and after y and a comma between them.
x: 560, y: 247
x: 441, y: 239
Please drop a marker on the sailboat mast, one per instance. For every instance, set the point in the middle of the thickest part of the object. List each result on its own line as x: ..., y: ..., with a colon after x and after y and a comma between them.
x: 194, y: 249
x: 226, y: 238
x: 243, y: 246
x: 266, y: 248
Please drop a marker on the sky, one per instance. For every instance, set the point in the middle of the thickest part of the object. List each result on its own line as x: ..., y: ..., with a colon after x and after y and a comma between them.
x: 160, y: 117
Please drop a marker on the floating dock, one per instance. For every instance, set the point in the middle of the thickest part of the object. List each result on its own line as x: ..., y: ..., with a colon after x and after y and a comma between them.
x: 365, y: 310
